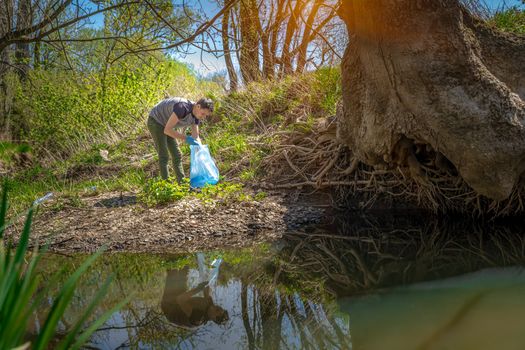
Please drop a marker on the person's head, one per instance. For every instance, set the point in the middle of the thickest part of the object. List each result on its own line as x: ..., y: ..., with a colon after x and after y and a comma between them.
x: 217, y: 314
x: 203, y: 108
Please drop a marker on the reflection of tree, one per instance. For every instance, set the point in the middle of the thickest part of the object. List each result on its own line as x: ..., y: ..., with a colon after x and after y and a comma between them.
x: 361, y: 254
x: 245, y: 317
x: 268, y: 315
x: 275, y: 320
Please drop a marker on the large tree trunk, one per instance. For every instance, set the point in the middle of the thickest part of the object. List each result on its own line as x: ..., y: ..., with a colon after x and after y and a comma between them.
x: 425, y: 72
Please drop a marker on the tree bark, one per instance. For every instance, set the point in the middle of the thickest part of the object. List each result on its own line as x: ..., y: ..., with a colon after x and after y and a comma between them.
x: 426, y: 72
x: 249, y: 57
x: 232, y: 74
x: 6, y: 25
x: 20, y: 123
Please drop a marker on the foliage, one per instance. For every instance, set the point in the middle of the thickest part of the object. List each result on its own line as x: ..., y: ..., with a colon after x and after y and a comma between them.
x: 293, y: 98
x: 12, y: 153
x: 70, y: 112
x: 21, y: 291
x: 239, y: 135
x: 510, y: 20
x: 159, y: 191
x: 246, y: 122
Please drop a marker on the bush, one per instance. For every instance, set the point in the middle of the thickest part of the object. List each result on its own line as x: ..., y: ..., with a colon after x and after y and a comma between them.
x: 157, y: 192
x: 68, y: 113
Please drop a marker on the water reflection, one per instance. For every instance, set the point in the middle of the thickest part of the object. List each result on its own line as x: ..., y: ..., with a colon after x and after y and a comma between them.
x: 178, y: 304
x: 357, y: 254
x: 191, y: 307
x: 356, y: 282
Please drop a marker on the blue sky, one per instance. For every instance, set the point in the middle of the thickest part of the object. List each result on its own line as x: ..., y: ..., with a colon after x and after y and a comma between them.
x: 497, y: 3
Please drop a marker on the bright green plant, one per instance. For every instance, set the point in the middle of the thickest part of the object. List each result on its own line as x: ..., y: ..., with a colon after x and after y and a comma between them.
x: 224, y: 191
x: 510, y: 20
x: 68, y: 113
x: 22, y: 291
x: 159, y: 191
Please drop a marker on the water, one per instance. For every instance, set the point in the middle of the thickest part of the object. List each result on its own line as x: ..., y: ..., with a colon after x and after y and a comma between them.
x: 390, y: 284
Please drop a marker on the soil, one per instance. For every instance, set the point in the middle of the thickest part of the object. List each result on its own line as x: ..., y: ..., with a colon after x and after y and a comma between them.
x: 117, y: 221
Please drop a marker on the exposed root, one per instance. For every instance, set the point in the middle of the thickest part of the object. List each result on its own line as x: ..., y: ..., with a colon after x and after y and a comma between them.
x: 420, y: 177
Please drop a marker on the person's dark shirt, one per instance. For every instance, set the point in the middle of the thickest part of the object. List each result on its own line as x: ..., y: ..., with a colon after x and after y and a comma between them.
x: 183, y: 108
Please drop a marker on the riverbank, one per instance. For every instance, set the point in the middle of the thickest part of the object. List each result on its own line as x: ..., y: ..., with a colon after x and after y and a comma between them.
x: 117, y: 221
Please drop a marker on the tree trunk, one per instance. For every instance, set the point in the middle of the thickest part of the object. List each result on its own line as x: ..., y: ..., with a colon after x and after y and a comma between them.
x: 291, y: 29
x: 20, y: 127
x: 24, y: 20
x: 274, y: 32
x: 307, y: 36
x: 425, y: 72
x: 249, y: 59
x: 232, y: 74
x: 6, y: 25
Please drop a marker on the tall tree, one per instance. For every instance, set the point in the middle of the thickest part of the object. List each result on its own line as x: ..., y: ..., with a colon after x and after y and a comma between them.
x: 24, y: 18
x: 285, y: 35
x: 6, y: 25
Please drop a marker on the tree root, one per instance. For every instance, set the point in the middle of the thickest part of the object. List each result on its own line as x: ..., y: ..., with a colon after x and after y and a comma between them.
x: 423, y: 180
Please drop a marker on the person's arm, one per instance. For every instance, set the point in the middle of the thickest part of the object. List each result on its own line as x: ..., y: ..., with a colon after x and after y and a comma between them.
x: 188, y: 294
x: 168, y: 129
x: 184, y: 300
x: 195, y: 132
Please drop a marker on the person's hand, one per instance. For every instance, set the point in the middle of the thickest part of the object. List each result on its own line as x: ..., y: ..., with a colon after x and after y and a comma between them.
x: 191, y: 141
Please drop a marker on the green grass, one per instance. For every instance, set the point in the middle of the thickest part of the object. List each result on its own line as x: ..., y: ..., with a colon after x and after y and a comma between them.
x: 22, y: 290
x: 510, y: 20
x: 25, y: 191
x: 241, y: 135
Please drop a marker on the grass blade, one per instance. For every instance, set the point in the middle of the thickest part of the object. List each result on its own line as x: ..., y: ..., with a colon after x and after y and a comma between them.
x: 61, y: 302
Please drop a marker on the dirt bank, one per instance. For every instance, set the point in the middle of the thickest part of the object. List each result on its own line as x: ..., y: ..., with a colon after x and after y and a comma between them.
x: 117, y: 221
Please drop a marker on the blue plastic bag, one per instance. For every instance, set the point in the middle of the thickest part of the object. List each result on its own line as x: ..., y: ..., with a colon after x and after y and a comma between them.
x: 203, y: 170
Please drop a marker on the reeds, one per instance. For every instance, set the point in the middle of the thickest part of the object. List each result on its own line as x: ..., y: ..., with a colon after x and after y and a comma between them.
x: 22, y: 291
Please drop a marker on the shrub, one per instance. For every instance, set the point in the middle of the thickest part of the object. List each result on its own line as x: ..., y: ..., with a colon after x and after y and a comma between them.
x: 68, y: 112
x: 157, y: 192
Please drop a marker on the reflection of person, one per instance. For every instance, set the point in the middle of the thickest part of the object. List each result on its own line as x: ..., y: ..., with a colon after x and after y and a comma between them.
x: 182, y: 307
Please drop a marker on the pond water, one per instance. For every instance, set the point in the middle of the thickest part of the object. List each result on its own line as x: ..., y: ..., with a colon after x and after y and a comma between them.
x: 356, y: 284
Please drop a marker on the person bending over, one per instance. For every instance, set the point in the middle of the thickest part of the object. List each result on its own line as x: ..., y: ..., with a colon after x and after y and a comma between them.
x: 184, y: 307
x: 166, y: 123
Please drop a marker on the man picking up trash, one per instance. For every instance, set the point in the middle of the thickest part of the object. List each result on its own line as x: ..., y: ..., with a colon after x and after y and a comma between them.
x: 164, y: 123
